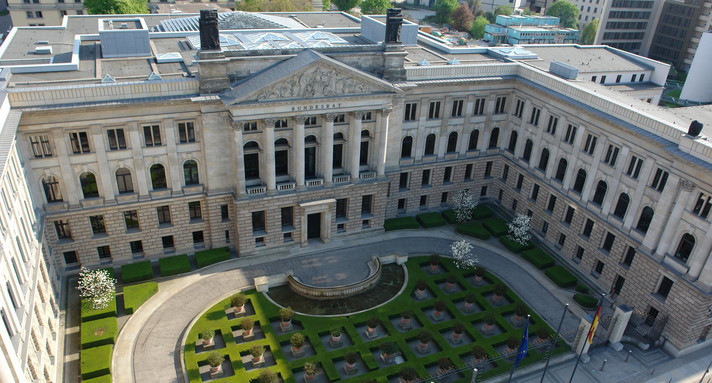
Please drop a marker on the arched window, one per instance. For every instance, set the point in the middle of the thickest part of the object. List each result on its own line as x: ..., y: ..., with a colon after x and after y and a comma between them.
x: 407, y: 147
x: 310, y: 156
x: 513, y: 141
x: 281, y: 157
x: 527, y: 150
x: 365, y: 133
x: 430, y: 145
x: 124, y: 181
x: 474, y: 138
x: 158, y: 177
x: 580, y: 181
x: 494, y: 138
x: 89, y: 187
x: 646, y: 216
x: 561, y: 170
x: 684, y: 249
x: 600, y: 193
x: 544, y: 159
x: 252, y: 160
x: 190, y: 170
x: 452, y: 142
x: 621, y: 206
x: 51, y: 189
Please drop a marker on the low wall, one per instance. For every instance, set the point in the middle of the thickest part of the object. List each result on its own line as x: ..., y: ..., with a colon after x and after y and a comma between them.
x: 336, y: 292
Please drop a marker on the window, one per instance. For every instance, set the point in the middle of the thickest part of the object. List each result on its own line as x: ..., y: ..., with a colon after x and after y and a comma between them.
x: 258, y: 221
x: 41, y: 146
x: 590, y: 144
x: 186, y: 132
x: 452, y: 142
x: 468, y: 172
x: 123, y: 181
x: 311, y: 121
x: 642, y: 77
x: 611, y: 155
x: 429, y: 145
x: 608, y: 242
x: 341, y: 205
x: 534, y: 117
x: 401, y: 205
x: 340, y: 119
x: 570, y: 135
x: 97, y: 224
x: 600, y: 193
x: 167, y: 242
x: 152, y: 135
x: 80, y: 142
x: 499, y: 105
x: 603, y: 79
x: 646, y: 216
x: 580, y: 181
x: 249, y: 126
x: 164, y: 215
x: 665, y: 287
x: 363, y: 154
x: 38, y: 14
x: 131, y: 220
x: 224, y: 212
x: 158, y: 177
x: 632, y: 78
x: 63, y: 230
x: 52, y: 191
x: 587, y: 228
x: 579, y: 253
x: 479, y: 106
x: 703, y: 205
x: 535, y: 192
x: 190, y: 171
x: 634, y: 167
x: 519, y: 108
x: 423, y: 201
x: 520, y: 181
x: 593, y: 78
x: 89, y: 186
x: 618, y: 79
x: 195, y: 211
x: 488, y: 169
x: 281, y: 157
x: 447, y: 176
x: 494, y: 138
x: 621, y: 206
x: 407, y: 147
x: 500, y: 195
x: 561, y: 170
x: 457, y: 108
x: 483, y: 191
x: 474, y: 137
x: 403, y: 181
x: 552, y: 203
x: 434, y: 111
x: 659, y: 180
x: 562, y: 239
x: 117, y: 139
x: 514, y: 205
x: 599, y: 268
x: 505, y: 173
x: 545, y: 227
x: 543, y: 159
x: 70, y: 258
x: 197, y: 238
x: 527, y: 154
x: 426, y: 178
x: 551, y: 127
x: 281, y: 124
x: 104, y: 253
x: 136, y: 247
x: 443, y: 198
x: 629, y: 255
x: 337, y: 162
x: 684, y: 248
x: 366, y: 204
x: 512, y: 141
x: 410, y: 111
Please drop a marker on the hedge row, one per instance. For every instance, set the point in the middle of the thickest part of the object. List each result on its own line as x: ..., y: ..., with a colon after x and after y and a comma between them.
x: 401, y: 223
x: 497, y: 226
x: 208, y: 257
x: 89, y: 314
x: 559, y: 275
x: 177, y: 264
x: 96, y: 361
x: 136, y: 295
x: 538, y: 258
x: 514, y: 246
x: 136, y: 272
x: 450, y: 216
x: 473, y: 229
x: 586, y: 301
x: 482, y: 212
x: 98, y: 332
x: 429, y: 220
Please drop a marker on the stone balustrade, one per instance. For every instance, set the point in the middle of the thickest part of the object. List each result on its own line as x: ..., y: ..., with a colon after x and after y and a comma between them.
x: 336, y: 292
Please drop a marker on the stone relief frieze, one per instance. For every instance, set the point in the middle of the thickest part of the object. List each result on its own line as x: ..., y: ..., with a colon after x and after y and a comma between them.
x: 314, y: 82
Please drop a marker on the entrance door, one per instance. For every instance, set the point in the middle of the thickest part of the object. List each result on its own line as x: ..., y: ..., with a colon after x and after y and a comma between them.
x: 314, y: 225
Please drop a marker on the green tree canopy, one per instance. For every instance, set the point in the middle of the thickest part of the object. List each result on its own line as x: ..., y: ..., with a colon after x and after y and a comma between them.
x: 462, y: 18
x: 478, y: 27
x: 326, y: 4
x: 346, y: 5
x: 444, y: 10
x: 566, y: 12
x: 504, y: 10
x: 375, y: 7
x: 110, y: 7
x: 588, y: 35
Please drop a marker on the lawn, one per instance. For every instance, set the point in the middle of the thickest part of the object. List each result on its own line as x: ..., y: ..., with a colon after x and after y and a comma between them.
x: 89, y: 314
x: 96, y: 361
x: 316, y: 330
x: 136, y: 295
x: 99, y: 332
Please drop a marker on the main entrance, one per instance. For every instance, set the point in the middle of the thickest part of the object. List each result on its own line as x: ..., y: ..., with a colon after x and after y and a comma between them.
x: 315, y: 220
x: 314, y: 225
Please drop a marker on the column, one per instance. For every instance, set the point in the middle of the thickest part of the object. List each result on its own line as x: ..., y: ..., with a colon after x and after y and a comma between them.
x: 239, y: 159
x: 175, y: 168
x: 382, y: 142
x: 298, y: 153
x: 686, y: 188
x: 355, y: 144
x: 70, y: 193
x: 268, y: 144
x: 700, y: 255
x: 327, y: 143
x: 141, y: 163
x: 105, y: 174
x: 663, y: 206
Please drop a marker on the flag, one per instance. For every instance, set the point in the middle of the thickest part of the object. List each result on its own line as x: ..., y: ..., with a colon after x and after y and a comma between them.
x: 523, y: 345
x: 593, y: 325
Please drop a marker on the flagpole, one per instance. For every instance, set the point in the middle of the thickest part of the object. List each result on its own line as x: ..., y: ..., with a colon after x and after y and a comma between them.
x: 556, y: 337
x: 519, y: 350
x: 589, y: 336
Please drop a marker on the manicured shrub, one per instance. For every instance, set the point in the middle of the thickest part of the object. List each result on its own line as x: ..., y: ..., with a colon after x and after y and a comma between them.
x: 247, y: 324
x: 372, y: 322
x: 559, y: 275
x: 98, y: 332
x: 136, y: 295
x: 581, y: 288
x: 267, y: 376
x: 429, y: 220
x: 458, y: 327
x: 177, y: 264
x: 215, y: 358
x: 286, y: 314
x: 434, y: 259
x: 96, y: 361
x: 512, y: 342
x: 408, y: 374
x: 473, y: 229
x: 489, y: 318
x: 542, y: 333
x: 388, y: 348
x: 538, y: 258
x: 401, y: 223
x: 439, y: 306
x: 445, y: 364
x: 470, y: 298
x: 586, y: 301
x: 136, y: 272
x: 497, y: 226
x: 207, y: 334
x: 449, y: 216
x: 521, y: 309
x: 479, y: 352
x: 482, y: 212
x: 310, y: 368
x: 238, y: 300
x: 407, y: 314
x: 89, y: 314
x: 297, y: 340
x: 208, y: 257
x: 351, y: 357
x: 451, y: 279
x: 500, y: 289
x: 421, y: 285
x: 336, y: 332
x: 514, y: 246
x: 257, y: 350
x: 480, y: 271
x: 424, y: 336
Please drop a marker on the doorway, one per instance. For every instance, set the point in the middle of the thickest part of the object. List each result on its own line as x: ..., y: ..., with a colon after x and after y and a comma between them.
x: 314, y: 226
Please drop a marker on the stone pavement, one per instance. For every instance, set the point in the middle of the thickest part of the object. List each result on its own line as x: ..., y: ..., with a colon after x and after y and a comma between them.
x: 148, y: 347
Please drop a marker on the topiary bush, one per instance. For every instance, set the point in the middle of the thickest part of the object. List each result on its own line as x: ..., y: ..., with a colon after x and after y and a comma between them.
x: 449, y: 216
x: 429, y: 220
x: 136, y: 272
x: 401, y: 223
x: 96, y: 361
x: 559, y: 275
x: 473, y: 229
x: 513, y: 246
x: 98, y: 332
x: 482, y: 212
x: 208, y: 257
x: 538, y: 258
x: 136, y: 295
x: 581, y: 288
x: 586, y: 301
x: 497, y: 226
x: 177, y: 264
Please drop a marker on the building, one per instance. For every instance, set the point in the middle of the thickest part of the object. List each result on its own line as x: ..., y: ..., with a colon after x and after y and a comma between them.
x: 698, y: 85
x: 43, y: 12
x: 590, y: 10
x: 629, y: 24
x: 485, y: 5
x: 517, y: 30
x: 679, y: 31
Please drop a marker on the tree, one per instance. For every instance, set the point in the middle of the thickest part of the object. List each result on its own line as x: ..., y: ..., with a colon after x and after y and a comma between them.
x: 588, y: 35
x: 443, y: 10
x: 504, y: 10
x: 478, y: 27
x: 109, y: 7
x: 519, y: 229
x: 475, y: 6
x: 462, y: 254
x: 566, y: 12
x: 491, y: 18
x: 462, y: 18
x: 346, y: 5
x: 97, y: 287
x: 463, y: 203
x: 375, y: 7
x: 326, y: 4
x: 251, y: 6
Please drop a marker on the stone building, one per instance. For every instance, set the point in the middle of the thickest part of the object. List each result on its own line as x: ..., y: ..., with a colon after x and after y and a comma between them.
x: 293, y: 134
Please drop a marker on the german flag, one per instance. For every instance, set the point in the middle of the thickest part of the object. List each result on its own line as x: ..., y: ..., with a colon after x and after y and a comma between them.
x: 593, y: 325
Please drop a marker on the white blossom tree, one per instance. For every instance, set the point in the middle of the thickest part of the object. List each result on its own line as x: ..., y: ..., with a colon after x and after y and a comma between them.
x: 519, y: 229
x: 462, y: 254
x: 97, y: 287
x: 463, y: 203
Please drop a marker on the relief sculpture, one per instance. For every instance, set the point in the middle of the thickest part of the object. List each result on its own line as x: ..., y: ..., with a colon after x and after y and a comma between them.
x: 315, y: 82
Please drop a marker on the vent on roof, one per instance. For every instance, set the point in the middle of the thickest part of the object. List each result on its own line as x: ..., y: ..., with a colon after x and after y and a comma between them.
x: 42, y: 42
x: 124, y: 26
x: 423, y: 62
x: 43, y: 50
x: 695, y: 128
x: 108, y: 79
x: 154, y: 76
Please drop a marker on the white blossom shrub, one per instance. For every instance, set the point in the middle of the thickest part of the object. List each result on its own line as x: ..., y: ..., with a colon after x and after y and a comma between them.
x: 462, y: 254
x: 463, y: 203
x: 97, y: 287
x: 519, y: 229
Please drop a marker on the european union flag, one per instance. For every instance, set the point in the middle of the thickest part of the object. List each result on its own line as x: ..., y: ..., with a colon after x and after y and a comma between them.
x: 523, y: 345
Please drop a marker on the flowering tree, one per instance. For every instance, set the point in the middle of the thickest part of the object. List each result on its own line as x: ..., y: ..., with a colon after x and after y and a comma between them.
x: 97, y: 287
x: 462, y: 254
x: 464, y: 202
x: 519, y: 229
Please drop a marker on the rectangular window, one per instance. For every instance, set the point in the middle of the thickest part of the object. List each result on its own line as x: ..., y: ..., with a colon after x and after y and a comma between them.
x: 618, y: 79
x: 500, y: 195
x: 579, y: 253
x: 505, y: 173
x: 611, y: 155
x: 659, y: 180
x: 457, y: 108
x: 410, y: 111
x: 590, y: 144
x: 227, y: 236
x: 562, y: 239
x: 167, y: 242
x: 403, y: 181
x: 632, y: 78
x: 599, y: 268
x: 197, y: 238
x: 642, y: 77
x: 70, y: 258
x: 443, y: 198
x: 500, y: 105
x: 551, y: 127
x: 366, y: 204
x: 608, y: 242
x: 363, y: 153
x: 80, y: 142
x: 634, y: 167
x: 186, y: 132
x: 468, y: 172
x: 423, y: 201
x: 545, y: 227
x: 341, y: 205
x: 587, y: 228
x: 629, y: 255
x: 249, y: 126
x: 311, y: 121
x: 152, y: 135
x: 426, y: 178
x: 287, y: 215
x: 340, y: 119
x: 281, y: 124
x: 703, y: 205
x: 62, y: 228
x: 569, y: 217
x: 535, y: 192
x: 104, y: 253
x: 603, y: 79
x: 164, y: 215
x: 195, y: 211
x: 515, y: 203
x: 593, y: 78
x: 224, y: 213
x: 483, y: 191
x: 447, y: 176
x: 258, y: 221
x: 665, y: 287
x: 570, y: 135
x: 552, y: 203
x: 131, y: 219
x: 117, y: 139
x: 488, y: 169
x: 520, y: 181
x: 41, y: 146
x: 97, y: 224
x: 534, y: 117
x: 434, y: 111
x: 519, y: 109
x: 136, y: 247
x: 401, y: 205
x: 479, y: 107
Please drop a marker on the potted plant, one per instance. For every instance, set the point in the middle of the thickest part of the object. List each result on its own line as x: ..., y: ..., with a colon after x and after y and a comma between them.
x: 420, y: 287
x: 336, y: 334
x: 499, y: 291
x: 267, y: 376
x: 451, y: 280
x: 434, y: 262
x: 297, y: 341
x: 207, y: 336
x: 520, y: 311
x: 286, y: 314
x: 479, y: 274
x: 469, y: 302
x: 439, y: 307
x: 247, y: 326
x: 372, y: 323
x: 489, y: 320
x: 408, y: 374
x: 310, y: 370
x: 424, y: 336
x: 257, y: 351
x: 351, y: 358
x: 445, y: 365
x: 512, y: 343
x: 542, y: 333
x: 238, y: 301
x: 215, y: 360
x: 387, y: 350
x: 479, y: 353
x: 457, y: 330
x: 405, y: 316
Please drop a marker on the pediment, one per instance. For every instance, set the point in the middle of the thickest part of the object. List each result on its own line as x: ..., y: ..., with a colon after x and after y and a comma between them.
x: 308, y: 75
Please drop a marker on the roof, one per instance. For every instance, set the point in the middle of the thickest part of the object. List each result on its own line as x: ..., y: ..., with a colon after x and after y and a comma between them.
x: 588, y: 59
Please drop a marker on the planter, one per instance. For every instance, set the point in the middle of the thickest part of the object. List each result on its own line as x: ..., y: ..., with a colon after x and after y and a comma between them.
x: 216, y: 372
x: 468, y: 307
x: 247, y: 332
x: 336, y: 339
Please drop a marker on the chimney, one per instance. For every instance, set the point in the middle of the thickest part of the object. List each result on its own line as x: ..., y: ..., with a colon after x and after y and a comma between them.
x: 394, y: 21
x: 209, y: 35
x: 695, y: 128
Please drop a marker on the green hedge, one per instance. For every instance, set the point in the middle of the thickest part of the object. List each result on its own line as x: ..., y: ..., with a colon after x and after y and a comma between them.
x: 482, y: 212
x: 496, y: 226
x: 177, y: 264
x: 429, y: 220
x: 401, y: 223
x: 538, y: 258
x: 89, y: 314
x: 473, y: 229
x: 450, y: 216
x: 136, y: 272
x: 586, y: 301
x: 559, y: 275
x: 581, y: 288
x: 514, y: 246
x: 99, y: 332
x: 96, y: 361
x: 208, y: 257
x: 136, y: 295
x: 101, y: 379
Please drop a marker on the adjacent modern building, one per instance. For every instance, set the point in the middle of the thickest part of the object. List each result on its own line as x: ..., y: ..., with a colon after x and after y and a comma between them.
x: 43, y: 12
x: 679, y: 31
x: 517, y: 30
x: 698, y: 86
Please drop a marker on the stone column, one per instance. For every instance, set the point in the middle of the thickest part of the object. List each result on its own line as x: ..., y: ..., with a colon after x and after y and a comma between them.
x: 355, y: 145
x: 700, y: 256
x: 141, y: 163
x: 580, y: 344
x: 105, y: 174
x: 268, y: 143
x: 666, y: 242
x: 174, y: 168
x: 617, y: 327
x: 382, y: 142
x: 239, y: 160
x: 298, y: 153
x: 327, y: 143
x: 650, y: 242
